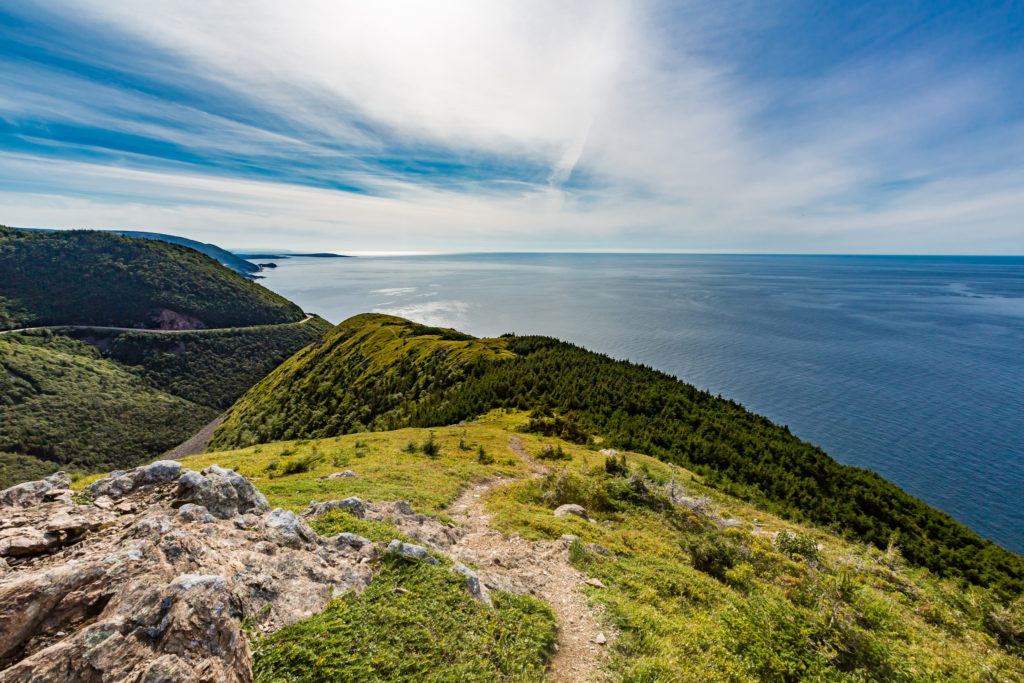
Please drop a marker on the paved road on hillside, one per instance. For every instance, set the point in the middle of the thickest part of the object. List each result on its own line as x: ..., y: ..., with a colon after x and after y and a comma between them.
x: 138, y: 329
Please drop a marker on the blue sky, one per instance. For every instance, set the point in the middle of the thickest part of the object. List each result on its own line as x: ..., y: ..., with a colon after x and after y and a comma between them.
x: 790, y: 126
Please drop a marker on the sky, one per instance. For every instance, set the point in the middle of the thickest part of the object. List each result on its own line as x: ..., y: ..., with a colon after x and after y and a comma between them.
x: 789, y: 126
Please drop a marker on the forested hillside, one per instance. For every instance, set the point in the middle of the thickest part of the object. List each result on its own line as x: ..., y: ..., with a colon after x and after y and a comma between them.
x: 85, y: 413
x: 98, y: 278
x: 87, y: 400
x: 380, y: 372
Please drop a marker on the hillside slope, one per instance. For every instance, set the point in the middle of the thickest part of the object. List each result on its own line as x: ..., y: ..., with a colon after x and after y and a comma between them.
x: 687, y: 583
x: 380, y: 372
x: 221, y: 256
x: 367, y: 366
x: 86, y: 400
x: 84, y: 413
x: 96, y: 278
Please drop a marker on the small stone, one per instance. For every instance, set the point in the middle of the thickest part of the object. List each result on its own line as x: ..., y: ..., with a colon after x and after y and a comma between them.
x: 417, y: 552
x: 571, y: 509
x: 350, y: 540
x: 473, y: 584
x: 596, y: 583
x: 338, y: 475
x: 600, y: 639
x: 104, y: 503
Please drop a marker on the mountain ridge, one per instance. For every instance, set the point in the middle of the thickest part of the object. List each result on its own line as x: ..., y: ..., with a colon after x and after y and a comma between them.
x: 377, y: 372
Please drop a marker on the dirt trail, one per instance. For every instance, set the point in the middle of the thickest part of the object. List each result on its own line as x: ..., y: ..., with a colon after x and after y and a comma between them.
x: 541, y: 569
x: 106, y: 328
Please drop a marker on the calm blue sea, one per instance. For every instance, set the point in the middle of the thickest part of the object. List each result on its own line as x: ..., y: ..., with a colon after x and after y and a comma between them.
x: 910, y: 366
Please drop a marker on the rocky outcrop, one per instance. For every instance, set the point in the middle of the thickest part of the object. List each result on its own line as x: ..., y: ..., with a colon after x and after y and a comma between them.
x: 224, y: 493
x: 36, y: 492
x: 155, y: 588
x: 118, y: 484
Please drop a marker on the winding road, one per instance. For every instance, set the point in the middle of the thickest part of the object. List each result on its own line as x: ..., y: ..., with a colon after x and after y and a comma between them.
x: 308, y: 317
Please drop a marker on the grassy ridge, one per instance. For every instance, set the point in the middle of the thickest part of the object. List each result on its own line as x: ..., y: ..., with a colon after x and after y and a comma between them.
x: 379, y: 372
x: 97, y: 278
x: 691, y: 601
x: 365, y: 367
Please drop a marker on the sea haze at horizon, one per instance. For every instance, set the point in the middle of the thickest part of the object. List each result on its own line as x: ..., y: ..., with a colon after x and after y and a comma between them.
x: 909, y: 366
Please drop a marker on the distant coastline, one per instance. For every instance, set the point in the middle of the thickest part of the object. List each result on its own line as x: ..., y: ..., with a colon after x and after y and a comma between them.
x: 248, y: 256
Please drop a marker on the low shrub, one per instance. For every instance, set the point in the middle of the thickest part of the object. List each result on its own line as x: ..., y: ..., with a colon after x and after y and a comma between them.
x: 549, y: 452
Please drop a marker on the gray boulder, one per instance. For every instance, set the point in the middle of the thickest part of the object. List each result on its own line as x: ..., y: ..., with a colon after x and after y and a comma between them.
x: 416, y: 552
x: 224, y: 493
x: 120, y: 483
x: 33, y: 492
x: 571, y: 509
x: 286, y: 528
x: 352, y: 505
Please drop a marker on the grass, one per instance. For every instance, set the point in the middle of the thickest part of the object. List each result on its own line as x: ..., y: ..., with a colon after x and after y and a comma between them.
x: 691, y: 601
x: 414, y: 622
x: 384, y: 469
x: 340, y: 522
x: 695, y: 602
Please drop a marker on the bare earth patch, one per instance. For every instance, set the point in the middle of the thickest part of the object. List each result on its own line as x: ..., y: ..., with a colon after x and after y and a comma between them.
x: 541, y: 569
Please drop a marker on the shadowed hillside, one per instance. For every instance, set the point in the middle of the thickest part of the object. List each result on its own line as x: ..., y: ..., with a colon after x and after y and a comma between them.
x: 97, y: 278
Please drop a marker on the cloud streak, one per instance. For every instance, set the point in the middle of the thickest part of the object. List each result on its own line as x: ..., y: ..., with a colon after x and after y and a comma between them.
x: 527, y: 125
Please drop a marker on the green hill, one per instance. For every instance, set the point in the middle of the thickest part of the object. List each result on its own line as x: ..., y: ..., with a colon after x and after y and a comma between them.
x: 97, y: 278
x: 221, y: 256
x: 88, y: 399
x: 379, y: 372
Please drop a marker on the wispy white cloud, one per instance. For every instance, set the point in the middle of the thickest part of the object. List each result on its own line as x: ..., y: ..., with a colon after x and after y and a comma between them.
x: 571, y: 125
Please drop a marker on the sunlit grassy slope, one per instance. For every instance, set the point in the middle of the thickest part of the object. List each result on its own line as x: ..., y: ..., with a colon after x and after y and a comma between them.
x: 365, y: 367
x: 692, y: 600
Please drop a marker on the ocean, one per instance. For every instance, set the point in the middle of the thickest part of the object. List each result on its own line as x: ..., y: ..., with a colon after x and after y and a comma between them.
x: 910, y: 366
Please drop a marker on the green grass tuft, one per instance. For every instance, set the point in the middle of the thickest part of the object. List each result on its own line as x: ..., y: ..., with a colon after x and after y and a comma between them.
x: 414, y: 622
